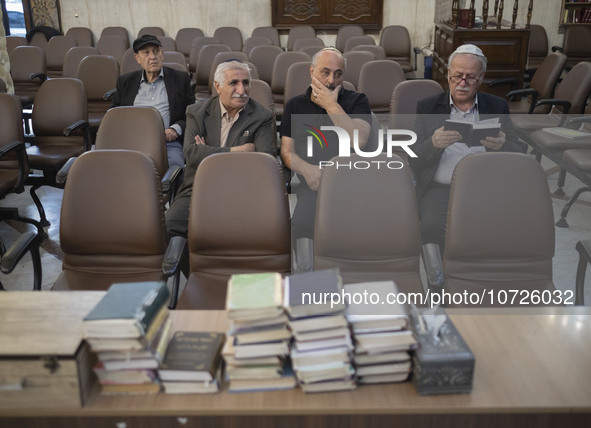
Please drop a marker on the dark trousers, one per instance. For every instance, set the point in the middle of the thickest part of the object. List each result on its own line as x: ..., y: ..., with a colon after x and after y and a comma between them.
x: 433, y: 213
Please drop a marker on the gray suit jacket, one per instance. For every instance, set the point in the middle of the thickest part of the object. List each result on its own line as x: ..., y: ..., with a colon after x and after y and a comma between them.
x: 254, y: 125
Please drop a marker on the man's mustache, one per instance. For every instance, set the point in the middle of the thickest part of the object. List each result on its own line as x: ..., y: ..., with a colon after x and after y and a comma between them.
x: 240, y: 96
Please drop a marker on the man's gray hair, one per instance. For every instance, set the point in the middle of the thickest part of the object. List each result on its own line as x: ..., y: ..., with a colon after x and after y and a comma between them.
x: 220, y: 71
x: 471, y: 50
x: 329, y: 49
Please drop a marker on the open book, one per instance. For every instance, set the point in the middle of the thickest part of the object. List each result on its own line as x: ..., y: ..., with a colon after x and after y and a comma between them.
x: 573, y: 134
x: 473, y: 133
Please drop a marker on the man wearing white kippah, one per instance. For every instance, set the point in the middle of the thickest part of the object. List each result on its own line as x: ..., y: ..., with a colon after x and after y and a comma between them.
x: 439, y: 150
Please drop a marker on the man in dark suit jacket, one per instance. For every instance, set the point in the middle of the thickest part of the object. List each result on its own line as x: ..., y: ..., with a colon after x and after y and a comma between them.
x: 166, y: 89
x: 230, y: 122
x: 439, y: 151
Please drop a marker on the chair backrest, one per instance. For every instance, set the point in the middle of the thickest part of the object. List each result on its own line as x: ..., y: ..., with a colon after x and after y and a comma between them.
x: 24, y: 61
x: 230, y: 36
x: 358, y: 40
x: 499, y: 235
x: 270, y: 33
x: 114, y: 46
x: 253, y: 41
x: 11, y: 123
x: 377, y: 50
x: 128, y: 62
x: 99, y: 73
x: 112, y: 221
x: 406, y: 95
x: 73, y: 58
x: 38, y: 39
x: 297, y: 79
x: 83, y: 35
x: 307, y: 41
x: 221, y: 57
x: 56, y: 50
x: 299, y: 32
x: 196, y: 46
x: 345, y: 32
x: 396, y: 43
x: 355, y: 60
x: 206, y: 56
x: 168, y: 43
x: 576, y: 45
x: 134, y: 128
x: 176, y: 66
x: 260, y: 91
x: 49, y: 120
x: 547, y: 74
x: 177, y: 57
x: 311, y: 50
x: 14, y: 41
x: 184, y: 39
x: 153, y: 31
x: 225, y: 188
x: 118, y: 32
x: 367, y: 224
x: 282, y: 63
x: 263, y: 57
x: 576, y: 87
x: 538, y: 46
x: 377, y: 80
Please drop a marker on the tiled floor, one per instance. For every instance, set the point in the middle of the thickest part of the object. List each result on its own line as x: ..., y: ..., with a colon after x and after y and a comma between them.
x: 565, y: 260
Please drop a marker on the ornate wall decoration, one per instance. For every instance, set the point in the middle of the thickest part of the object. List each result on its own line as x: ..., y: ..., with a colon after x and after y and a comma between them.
x: 301, y: 10
x: 351, y: 10
x: 45, y: 13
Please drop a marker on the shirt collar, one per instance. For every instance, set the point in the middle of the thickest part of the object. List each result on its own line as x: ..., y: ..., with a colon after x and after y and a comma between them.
x: 160, y: 75
x: 471, y: 109
x: 225, y: 112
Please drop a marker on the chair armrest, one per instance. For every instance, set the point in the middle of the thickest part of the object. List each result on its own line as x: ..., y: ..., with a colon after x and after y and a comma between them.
x: 557, y: 49
x: 170, y: 177
x: 580, y: 119
x: 16, y: 251
x: 170, y: 265
x: 503, y: 81
x: 40, y: 76
x: 584, y: 249
x: 552, y: 102
x: 109, y: 94
x: 85, y: 127
x: 524, y: 92
x: 21, y: 154
x: 433, y: 266
x: 62, y: 174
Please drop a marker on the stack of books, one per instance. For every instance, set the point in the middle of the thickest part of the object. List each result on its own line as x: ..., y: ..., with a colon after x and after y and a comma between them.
x: 192, y: 363
x: 322, y: 346
x: 128, y: 330
x: 258, y: 338
x: 381, y: 332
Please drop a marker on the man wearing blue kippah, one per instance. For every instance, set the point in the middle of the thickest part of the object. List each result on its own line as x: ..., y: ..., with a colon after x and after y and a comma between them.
x: 439, y: 150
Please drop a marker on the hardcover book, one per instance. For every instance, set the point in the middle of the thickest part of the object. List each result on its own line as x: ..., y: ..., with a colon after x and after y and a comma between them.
x: 254, y: 296
x: 192, y: 356
x: 473, y: 133
x: 126, y: 310
x: 573, y: 134
x: 305, y: 293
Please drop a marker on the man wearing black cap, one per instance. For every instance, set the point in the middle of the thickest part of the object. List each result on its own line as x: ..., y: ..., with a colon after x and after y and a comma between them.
x: 166, y: 89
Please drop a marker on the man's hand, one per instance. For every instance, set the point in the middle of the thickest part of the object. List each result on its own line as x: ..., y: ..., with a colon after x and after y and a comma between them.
x: 494, y: 144
x: 170, y: 134
x: 247, y: 147
x: 323, y: 96
x: 312, y: 174
x: 441, y: 139
x: 199, y: 140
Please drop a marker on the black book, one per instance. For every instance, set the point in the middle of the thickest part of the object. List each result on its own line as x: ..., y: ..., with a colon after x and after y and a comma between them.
x: 126, y: 311
x: 473, y: 133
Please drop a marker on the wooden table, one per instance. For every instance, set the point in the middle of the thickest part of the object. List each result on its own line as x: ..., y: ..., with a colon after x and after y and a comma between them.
x: 533, y: 368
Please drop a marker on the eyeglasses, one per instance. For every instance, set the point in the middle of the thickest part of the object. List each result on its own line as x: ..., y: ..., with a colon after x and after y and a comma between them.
x: 468, y: 80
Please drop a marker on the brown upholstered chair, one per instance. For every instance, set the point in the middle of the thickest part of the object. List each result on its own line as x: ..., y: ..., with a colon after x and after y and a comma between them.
x: 260, y: 91
x: 184, y: 40
x: 282, y: 63
x: 177, y: 57
x: 345, y: 32
x: 537, y: 48
x: 499, y: 235
x: 14, y: 169
x: 196, y: 46
x: 15, y: 41
x: 60, y: 126
x: 168, y: 44
x: 114, y: 46
x: 239, y: 223
x: 207, y: 55
x: 358, y: 40
x: 28, y: 70
x: 82, y: 35
x: 367, y: 224
x: 376, y: 50
x: 120, y: 32
x: 308, y: 41
x: 377, y: 80
x: 396, y: 42
x: 128, y: 63
x: 99, y: 74
x: 299, y: 32
x: 153, y: 31
x: 270, y: 33
x: 254, y: 41
x: 311, y: 50
x: 73, y: 58
x: 297, y: 79
x: 584, y: 250
x: 263, y: 57
x: 356, y: 60
x: 112, y: 227
x: 55, y: 52
x: 575, y: 45
x: 230, y: 36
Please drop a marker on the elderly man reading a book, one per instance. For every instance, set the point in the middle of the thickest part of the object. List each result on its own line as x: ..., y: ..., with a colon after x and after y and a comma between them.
x: 451, y: 126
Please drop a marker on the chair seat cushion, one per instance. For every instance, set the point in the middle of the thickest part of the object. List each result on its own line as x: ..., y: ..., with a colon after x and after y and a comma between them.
x: 50, y: 157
